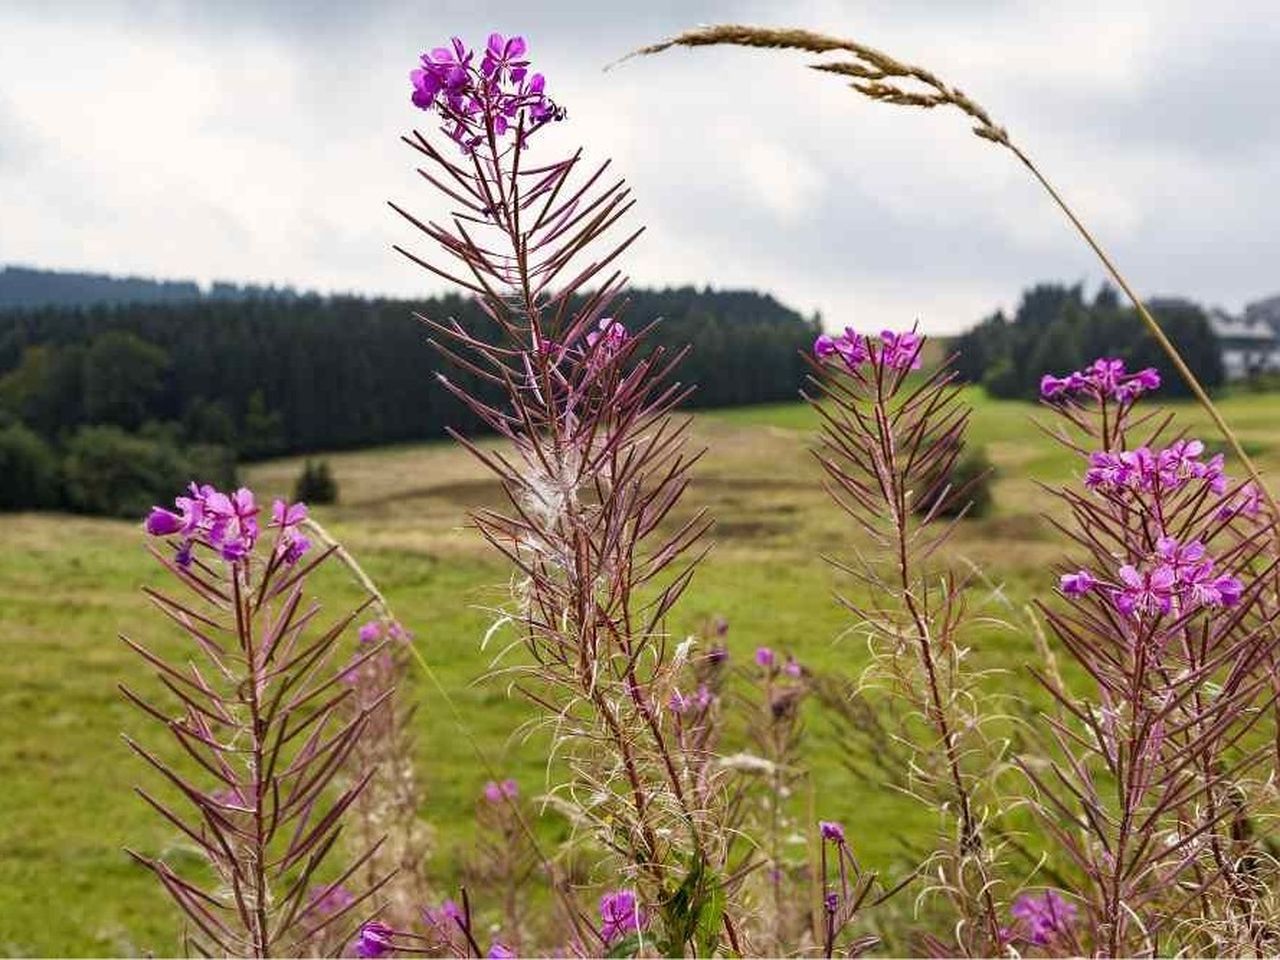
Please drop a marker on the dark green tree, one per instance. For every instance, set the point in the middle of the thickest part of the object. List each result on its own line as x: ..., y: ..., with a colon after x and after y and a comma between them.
x: 123, y: 378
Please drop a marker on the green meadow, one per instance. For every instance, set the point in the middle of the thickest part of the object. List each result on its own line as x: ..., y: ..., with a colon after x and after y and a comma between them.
x: 69, y: 585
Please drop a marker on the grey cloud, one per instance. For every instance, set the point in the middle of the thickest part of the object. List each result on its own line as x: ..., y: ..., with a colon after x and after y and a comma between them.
x: 749, y: 168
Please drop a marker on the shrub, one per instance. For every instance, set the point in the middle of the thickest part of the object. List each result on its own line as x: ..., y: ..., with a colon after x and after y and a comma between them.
x: 28, y: 470
x: 113, y: 473
x: 316, y: 484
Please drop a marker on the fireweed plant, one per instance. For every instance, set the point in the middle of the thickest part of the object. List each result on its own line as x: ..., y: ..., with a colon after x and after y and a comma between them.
x: 264, y: 714
x: 889, y: 439
x: 595, y: 464
x: 1143, y: 792
x: 1153, y: 783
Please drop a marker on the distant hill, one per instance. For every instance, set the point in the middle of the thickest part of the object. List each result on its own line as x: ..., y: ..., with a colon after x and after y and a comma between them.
x: 27, y: 288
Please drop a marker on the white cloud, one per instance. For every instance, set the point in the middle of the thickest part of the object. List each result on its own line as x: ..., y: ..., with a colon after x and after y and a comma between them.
x: 247, y: 141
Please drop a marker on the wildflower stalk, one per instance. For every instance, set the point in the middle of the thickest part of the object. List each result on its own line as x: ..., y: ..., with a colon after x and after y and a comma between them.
x: 593, y: 467
x: 888, y: 443
x: 882, y: 78
x: 264, y: 730
x: 1170, y: 618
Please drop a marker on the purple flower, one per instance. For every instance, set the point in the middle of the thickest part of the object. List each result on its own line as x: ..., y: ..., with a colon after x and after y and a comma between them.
x: 162, y: 523
x: 850, y: 347
x: 1145, y: 594
x: 679, y: 703
x: 501, y: 58
x: 1104, y: 379
x: 370, y: 632
x: 612, y: 336
x: 792, y: 667
x: 1224, y: 591
x: 446, y: 918
x: 765, y: 657
x: 375, y: 939
x: 831, y: 831
x: 496, y: 98
x: 226, y: 522
x: 496, y: 792
x: 1077, y: 584
x: 326, y: 901
x: 500, y: 951
x: 831, y: 902
x: 620, y: 915
x: 1042, y: 919
x: 901, y: 351
x: 1247, y: 501
x: 1051, y: 386
x: 287, y: 514
x: 292, y: 546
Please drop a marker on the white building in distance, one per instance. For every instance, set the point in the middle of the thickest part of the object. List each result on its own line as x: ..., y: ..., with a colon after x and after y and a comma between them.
x: 1250, y: 344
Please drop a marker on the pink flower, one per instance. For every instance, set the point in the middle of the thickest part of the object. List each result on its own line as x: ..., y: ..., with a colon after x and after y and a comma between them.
x: 901, y: 351
x: 1077, y: 584
x: 1145, y: 594
x: 850, y: 347
x: 604, y: 343
x: 620, y: 915
x: 496, y: 792
x: 765, y: 657
x: 375, y: 939
x: 1042, y: 919
x: 1247, y: 501
x: 1105, y: 378
x: 287, y: 514
x: 501, y: 58
x: 831, y: 831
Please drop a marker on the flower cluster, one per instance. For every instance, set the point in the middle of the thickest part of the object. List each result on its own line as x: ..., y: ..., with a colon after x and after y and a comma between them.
x: 498, y: 97
x: 227, y: 523
x: 1041, y: 920
x: 1104, y: 379
x: 897, y: 351
x: 1179, y: 577
x: 620, y: 915
x: 1145, y: 470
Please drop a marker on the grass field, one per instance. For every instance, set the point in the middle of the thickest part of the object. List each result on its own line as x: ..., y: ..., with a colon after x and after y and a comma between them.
x: 68, y: 585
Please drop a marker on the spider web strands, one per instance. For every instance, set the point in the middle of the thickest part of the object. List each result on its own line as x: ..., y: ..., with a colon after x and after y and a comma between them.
x: 255, y: 783
x: 593, y: 471
x: 888, y: 442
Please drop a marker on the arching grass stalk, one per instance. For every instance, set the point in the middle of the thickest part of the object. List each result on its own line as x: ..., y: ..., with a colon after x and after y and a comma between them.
x: 880, y: 77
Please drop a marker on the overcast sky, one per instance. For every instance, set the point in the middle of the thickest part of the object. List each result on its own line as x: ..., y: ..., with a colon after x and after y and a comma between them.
x: 258, y: 141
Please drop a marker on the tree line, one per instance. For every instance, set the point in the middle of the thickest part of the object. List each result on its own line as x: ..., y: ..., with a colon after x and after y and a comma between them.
x: 1057, y: 328
x: 203, y: 383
